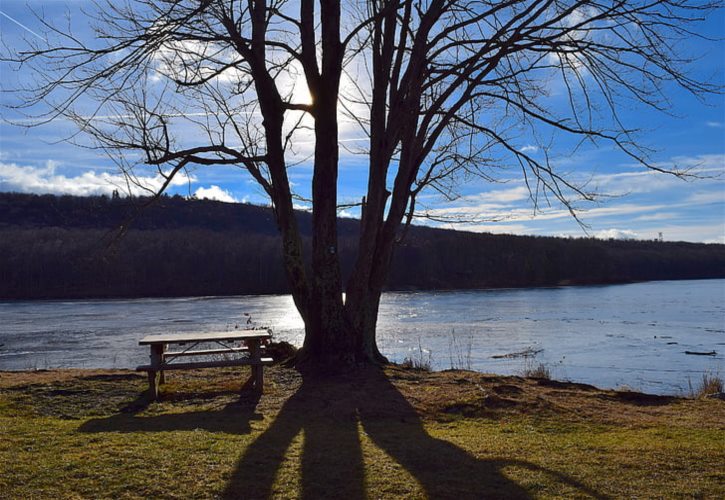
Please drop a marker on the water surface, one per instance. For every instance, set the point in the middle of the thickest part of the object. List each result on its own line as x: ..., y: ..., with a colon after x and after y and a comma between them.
x: 631, y: 335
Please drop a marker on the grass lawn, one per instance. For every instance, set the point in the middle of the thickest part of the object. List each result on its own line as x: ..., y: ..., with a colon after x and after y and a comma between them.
x: 397, y: 434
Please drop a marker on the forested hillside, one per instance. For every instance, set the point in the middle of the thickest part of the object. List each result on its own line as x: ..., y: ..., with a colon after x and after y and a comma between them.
x: 64, y: 247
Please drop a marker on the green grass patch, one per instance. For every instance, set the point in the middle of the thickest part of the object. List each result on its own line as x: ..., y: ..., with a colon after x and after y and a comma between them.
x: 398, y: 434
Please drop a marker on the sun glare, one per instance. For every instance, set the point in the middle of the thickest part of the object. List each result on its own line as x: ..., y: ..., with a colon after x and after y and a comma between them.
x: 300, y: 92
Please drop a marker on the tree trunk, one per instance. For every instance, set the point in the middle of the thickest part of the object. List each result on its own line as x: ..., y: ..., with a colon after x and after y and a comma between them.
x: 329, y: 343
x: 343, y: 339
x: 340, y: 335
x: 363, y: 317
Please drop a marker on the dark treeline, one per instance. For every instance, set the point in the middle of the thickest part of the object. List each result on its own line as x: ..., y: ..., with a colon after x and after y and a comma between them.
x: 63, y: 247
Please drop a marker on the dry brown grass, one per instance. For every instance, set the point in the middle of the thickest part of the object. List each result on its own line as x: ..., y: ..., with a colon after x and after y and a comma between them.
x: 709, y: 384
x: 537, y: 371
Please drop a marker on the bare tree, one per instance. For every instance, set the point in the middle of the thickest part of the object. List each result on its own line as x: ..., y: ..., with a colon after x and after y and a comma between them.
x: 441, y: 89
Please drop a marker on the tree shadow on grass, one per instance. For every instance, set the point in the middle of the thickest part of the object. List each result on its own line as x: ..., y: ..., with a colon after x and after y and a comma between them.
x: 329, y: 416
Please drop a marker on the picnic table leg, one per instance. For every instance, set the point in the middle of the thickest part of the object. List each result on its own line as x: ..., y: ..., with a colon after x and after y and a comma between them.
x: 156, y: 359
x: 162, y: 373
x: 255, y: 353
x: 153, y: 386
x: 259, y: 376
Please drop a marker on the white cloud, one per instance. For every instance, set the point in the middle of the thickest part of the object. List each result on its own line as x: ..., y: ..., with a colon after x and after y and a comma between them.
x: 616, y: 234
x: 192, y: 60
x: 707, y: 233
x: 346, y: 214
x: 714, y: 124
x: 720, y: 239
x: 45, y: 180
x: 214, y: 192
x: 529, y: 148
x: 304, y: 207
x: 494, y: 228
x: 582, y: 25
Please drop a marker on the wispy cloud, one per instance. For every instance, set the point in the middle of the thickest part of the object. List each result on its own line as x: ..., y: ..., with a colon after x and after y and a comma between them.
x: 656, y: 217
x: 499, y: 196
x: 709, y: 167
x: 706, y: 197
x: 528, y: 214
x: 111, y: 119
x: 647, y: 203
x: 713, y: 124
x: 494, y: 228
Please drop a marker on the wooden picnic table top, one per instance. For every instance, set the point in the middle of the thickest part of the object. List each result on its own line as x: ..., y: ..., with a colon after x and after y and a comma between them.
x: 175, y: 338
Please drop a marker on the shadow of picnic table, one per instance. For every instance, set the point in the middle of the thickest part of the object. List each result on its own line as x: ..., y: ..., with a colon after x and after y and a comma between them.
x: 233, y: 418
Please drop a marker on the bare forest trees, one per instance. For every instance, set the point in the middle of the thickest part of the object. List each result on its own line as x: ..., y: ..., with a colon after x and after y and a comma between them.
x: 440, y: 89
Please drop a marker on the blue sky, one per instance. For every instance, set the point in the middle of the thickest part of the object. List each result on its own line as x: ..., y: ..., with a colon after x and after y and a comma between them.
x: 638, y: 203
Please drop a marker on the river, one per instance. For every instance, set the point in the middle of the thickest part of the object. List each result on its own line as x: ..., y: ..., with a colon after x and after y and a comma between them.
x: 613, y: 336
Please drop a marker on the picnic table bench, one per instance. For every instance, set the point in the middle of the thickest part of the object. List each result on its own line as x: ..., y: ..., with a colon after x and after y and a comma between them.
x: 249, y: 353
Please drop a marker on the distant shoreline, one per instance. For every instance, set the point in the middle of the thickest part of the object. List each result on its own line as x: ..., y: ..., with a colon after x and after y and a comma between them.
x: 401, y: 290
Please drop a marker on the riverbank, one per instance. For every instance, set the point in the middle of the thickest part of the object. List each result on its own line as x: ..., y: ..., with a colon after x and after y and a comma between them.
x: 401, y: 433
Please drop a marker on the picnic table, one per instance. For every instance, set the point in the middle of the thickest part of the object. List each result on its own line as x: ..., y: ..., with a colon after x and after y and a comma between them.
x: 247, y: 351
